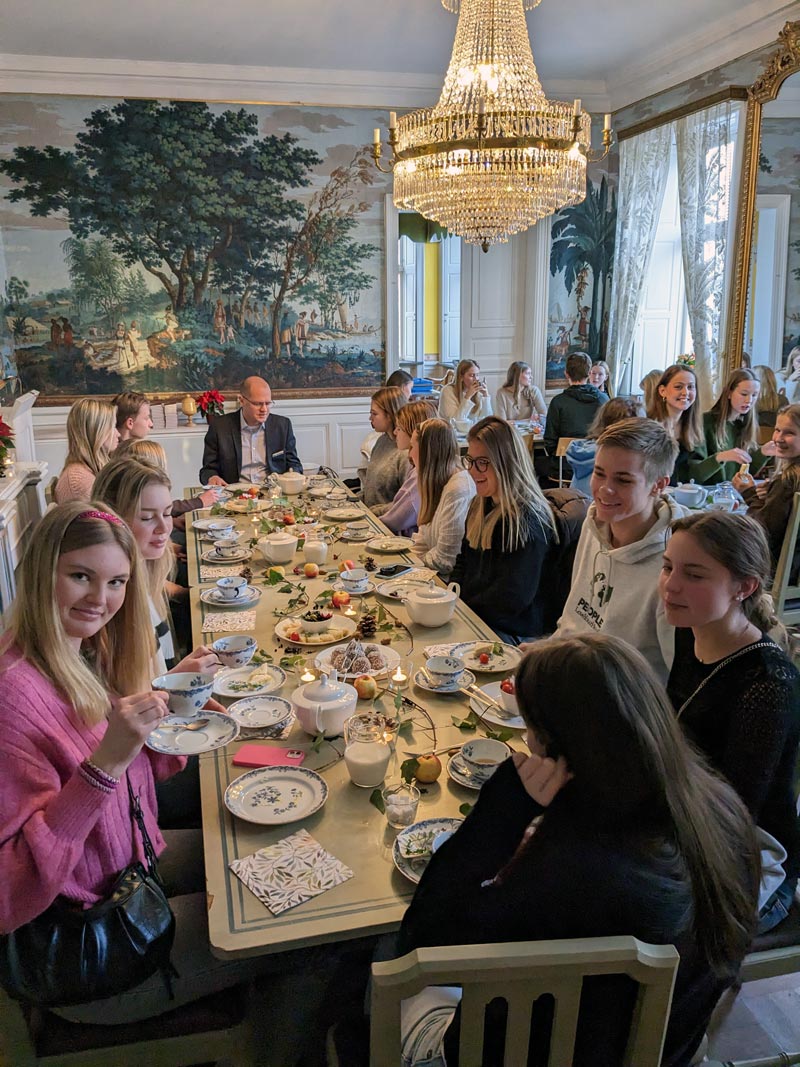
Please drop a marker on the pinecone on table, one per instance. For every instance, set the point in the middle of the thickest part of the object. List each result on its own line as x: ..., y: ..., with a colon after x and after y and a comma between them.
x: 367, y: 626
x: 246, y: 573
x: 370, y: 564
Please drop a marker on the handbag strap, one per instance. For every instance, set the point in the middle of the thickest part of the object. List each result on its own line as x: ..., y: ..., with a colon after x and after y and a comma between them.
x: 138, y: 818
x: 718, y: 668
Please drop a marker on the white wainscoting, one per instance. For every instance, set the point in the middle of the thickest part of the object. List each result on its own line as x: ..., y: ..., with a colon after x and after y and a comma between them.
x: 328, y: 432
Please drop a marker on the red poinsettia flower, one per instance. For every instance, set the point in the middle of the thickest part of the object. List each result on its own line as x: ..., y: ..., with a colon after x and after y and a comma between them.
x: 211, y: 402
x: 6, y: 434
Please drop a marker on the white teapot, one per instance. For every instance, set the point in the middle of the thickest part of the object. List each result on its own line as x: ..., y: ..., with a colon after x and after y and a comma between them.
x: 690, y: 495
x: 278, y: 547
x: 291, y: 482
x: 323, y: 706
x: 432, y: 605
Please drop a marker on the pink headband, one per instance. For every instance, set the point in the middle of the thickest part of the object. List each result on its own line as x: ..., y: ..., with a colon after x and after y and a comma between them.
x: 101, y: 515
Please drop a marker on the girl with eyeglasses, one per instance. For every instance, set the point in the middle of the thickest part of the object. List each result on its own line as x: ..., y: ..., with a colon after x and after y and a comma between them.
x: 510, y: 530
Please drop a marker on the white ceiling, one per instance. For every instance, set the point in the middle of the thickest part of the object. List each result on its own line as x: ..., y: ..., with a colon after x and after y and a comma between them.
x: 595, y: 43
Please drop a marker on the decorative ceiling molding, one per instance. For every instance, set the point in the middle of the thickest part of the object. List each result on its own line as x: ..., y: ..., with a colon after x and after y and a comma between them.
x: 277, y: 85
x: 745, y: 30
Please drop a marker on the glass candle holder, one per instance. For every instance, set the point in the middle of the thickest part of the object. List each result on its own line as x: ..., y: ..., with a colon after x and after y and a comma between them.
x: 400, y: 677
x: 400, y: 800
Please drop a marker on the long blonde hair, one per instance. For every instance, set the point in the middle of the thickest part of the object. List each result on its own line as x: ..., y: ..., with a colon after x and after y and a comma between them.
x: 439, y: 460
x: 790, y: 468
x: 770, y: 398
x: 117, y: 659
x: 390, y: 399
x: 89, y: 424
x: 519, y: 496
x: 690, y: 425
x: 121, y: 484
x: 461, y: 370
x: 142, y: 448
x: 649, y: 386
x: 745, y: 427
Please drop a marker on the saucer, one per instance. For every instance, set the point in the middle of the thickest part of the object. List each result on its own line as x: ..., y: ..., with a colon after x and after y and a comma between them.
x: 512, y: 722
x: 339, y: 584
x: 419, y: 837
x: 460, y: 773
x: 467, y: 678
x: 347, y: 513
x: 204, y: 524
x: 212, y: 557
x: 508, y: 659
x: 217, y: 600
x: 257, y: 713
x: 172, y: 739
x: 390, y: 544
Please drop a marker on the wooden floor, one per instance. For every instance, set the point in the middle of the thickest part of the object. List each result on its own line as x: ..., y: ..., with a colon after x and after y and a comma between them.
x: 763, y: 1019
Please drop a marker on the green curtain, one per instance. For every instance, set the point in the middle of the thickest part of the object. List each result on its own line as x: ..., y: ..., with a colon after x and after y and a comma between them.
x: 419, y: 229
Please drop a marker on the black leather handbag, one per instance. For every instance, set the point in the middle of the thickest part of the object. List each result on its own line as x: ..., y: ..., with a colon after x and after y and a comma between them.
x: 73, y: 955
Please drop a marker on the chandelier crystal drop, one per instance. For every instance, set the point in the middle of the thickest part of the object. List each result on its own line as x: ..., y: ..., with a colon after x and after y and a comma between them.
x: 494, y: 155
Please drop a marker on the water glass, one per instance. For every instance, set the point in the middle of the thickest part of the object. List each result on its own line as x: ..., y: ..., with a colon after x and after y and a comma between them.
x: 400, y: 799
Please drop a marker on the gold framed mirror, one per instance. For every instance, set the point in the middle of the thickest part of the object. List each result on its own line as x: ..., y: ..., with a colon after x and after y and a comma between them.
x: 758, y: 315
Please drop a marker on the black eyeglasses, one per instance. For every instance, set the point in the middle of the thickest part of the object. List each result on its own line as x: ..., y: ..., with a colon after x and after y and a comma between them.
x: 481, y: 463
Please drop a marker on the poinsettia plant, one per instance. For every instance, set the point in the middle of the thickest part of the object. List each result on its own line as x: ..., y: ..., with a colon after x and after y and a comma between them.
x: 211, y: 402
x: 6, y: 434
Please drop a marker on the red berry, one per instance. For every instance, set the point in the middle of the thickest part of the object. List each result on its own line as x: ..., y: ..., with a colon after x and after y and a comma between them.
x: 294, y: 636
x: 507, y: 685
x: 484, y: 657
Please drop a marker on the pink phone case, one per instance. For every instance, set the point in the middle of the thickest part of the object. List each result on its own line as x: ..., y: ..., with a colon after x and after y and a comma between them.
x: 268, y: 756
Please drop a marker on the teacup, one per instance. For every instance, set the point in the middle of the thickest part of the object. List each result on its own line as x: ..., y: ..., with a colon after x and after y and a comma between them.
x: 357, y: 528
x: 231, y: 588
x: 483, y: 755
x: 462, y: 425
x: 188, y: 692
x: 356, y: 580
x: 236, y: 651
x: 444, y: 670
x: 227, y: 547
x: 216, y: 530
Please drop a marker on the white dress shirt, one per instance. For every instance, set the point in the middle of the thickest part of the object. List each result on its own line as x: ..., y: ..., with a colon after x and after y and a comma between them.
x: 254, y: 452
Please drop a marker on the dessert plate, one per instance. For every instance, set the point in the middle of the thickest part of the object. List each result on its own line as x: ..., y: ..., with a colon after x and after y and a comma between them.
x: 390, y: 544
x: 246, y: 507
x: 212, y: 556
x: 344, y: 513
x: 341, y: 628
x: 239, y: 681
x: 271, y: 796
x: 419, y: 839
x: 507, y: 659
x: 492, y: 690
x: 323, y: 661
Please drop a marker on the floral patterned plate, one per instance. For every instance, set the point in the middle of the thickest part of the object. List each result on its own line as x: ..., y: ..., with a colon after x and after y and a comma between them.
x: 172, y: 737
x: 419, y: 839
x: 271, y: 796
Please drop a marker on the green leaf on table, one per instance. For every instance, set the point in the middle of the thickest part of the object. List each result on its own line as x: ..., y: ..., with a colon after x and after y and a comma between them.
x: 467, y: 724
x: 217, y: 509
x: 408, y: 768
x: 261, y: 656
x: 324, y: 596
x: 384, y: 627
x: 316, y: 744
x: 465, y: 809
x: 376, y: 799
x: 499, y: 735
x: 285, y: 588
x: 406, y: 727
x: 292, y: 661
x: 381, y: 616
x: 497, y: 648
x: 398, y: 703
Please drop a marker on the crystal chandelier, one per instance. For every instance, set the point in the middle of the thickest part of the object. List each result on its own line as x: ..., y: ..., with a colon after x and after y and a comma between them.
x: 494, y: 155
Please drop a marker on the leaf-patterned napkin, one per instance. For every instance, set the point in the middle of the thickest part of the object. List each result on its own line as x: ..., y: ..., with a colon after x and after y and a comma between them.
x: 440, y: 650
x: 289, y: 872
x: 222, y: 622
x: 213, y: 571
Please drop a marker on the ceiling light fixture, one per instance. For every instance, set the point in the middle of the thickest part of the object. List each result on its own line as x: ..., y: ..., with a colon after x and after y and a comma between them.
x: 494, y: 155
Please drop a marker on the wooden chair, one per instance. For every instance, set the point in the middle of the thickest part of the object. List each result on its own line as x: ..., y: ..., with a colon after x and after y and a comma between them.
x: 561, y: 451
x: 441, y: 374
x: 519, y: 973
x: 785, y: 595
x: 50, y: 491
x: 216, y: 1029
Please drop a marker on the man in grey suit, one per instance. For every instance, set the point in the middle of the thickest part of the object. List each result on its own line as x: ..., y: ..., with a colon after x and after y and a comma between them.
x: 249, y: 444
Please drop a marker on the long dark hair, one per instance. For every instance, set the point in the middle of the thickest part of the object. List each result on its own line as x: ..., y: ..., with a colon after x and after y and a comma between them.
x: 614, y: 725
x: 745, y: 427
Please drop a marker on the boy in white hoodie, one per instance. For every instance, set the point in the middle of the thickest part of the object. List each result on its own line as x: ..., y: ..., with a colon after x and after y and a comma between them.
x: 619, y: 555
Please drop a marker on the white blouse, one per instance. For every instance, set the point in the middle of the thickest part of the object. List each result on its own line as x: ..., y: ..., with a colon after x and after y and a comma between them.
x: 451, y: 407
x: 438, y: 542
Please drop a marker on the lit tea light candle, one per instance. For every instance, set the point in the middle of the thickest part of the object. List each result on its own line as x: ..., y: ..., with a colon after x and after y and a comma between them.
x: 350, y: 611
x: 308, y: 676
x: 399, y: 680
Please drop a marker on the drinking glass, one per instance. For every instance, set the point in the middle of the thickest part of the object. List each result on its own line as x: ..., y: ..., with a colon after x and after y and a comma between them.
x: 400, y: 799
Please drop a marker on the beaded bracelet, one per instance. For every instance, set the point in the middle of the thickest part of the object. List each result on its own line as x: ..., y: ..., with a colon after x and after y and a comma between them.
x: 88, y: 777
x: 100, y: 774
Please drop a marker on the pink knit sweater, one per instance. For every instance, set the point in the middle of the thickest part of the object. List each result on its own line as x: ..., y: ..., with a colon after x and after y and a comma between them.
x: 59, y: 836
x: 74, y: 483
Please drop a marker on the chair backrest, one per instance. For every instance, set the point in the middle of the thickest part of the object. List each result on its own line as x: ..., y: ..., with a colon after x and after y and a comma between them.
x: 561, y: 451
x: 50, y: 491
x: 441, y: 374
x: 786, y: 595
x: 519, y: 973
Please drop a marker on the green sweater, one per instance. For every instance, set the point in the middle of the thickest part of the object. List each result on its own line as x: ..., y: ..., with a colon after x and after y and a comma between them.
x: 701, y: 462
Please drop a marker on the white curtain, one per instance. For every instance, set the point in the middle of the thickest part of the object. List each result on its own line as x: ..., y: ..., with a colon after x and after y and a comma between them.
x: 708, y: 165
x: 643, y: 170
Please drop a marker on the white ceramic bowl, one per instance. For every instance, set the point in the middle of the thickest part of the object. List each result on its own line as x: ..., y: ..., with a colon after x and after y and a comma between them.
x: 444, y: 669
x: 316, y: 627
x: 187, y: 692
x: 236, y: 651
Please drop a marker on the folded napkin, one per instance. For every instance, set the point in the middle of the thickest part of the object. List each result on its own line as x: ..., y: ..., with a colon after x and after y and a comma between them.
x: 441, y: 650
x: 289, y: 872
x: 221, y: 622
x: 210, y: 571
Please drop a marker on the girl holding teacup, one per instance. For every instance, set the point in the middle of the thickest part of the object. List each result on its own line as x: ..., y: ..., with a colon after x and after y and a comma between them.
x: 445, y: 492
x: 518, y: 398
x: 635, y: 837
x: 772, y: 507
x: 730, y: 434
x: 736, y: 693
x: 75, y: 710
x: 467, y: 397
x: 509, y: 532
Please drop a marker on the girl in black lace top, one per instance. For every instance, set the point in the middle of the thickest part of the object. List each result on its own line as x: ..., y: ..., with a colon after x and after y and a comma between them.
x: 735, y: 691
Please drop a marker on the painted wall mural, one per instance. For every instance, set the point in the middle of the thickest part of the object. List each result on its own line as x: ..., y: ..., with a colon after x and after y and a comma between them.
x: 581, y: 259
x: 173, y: 246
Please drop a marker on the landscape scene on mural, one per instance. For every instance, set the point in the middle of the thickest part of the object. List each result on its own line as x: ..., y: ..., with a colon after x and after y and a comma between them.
x: 177, y: 246
x: 581, y: 261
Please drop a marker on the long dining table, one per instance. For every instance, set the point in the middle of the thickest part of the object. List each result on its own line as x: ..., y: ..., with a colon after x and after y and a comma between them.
x: 348, y: 825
